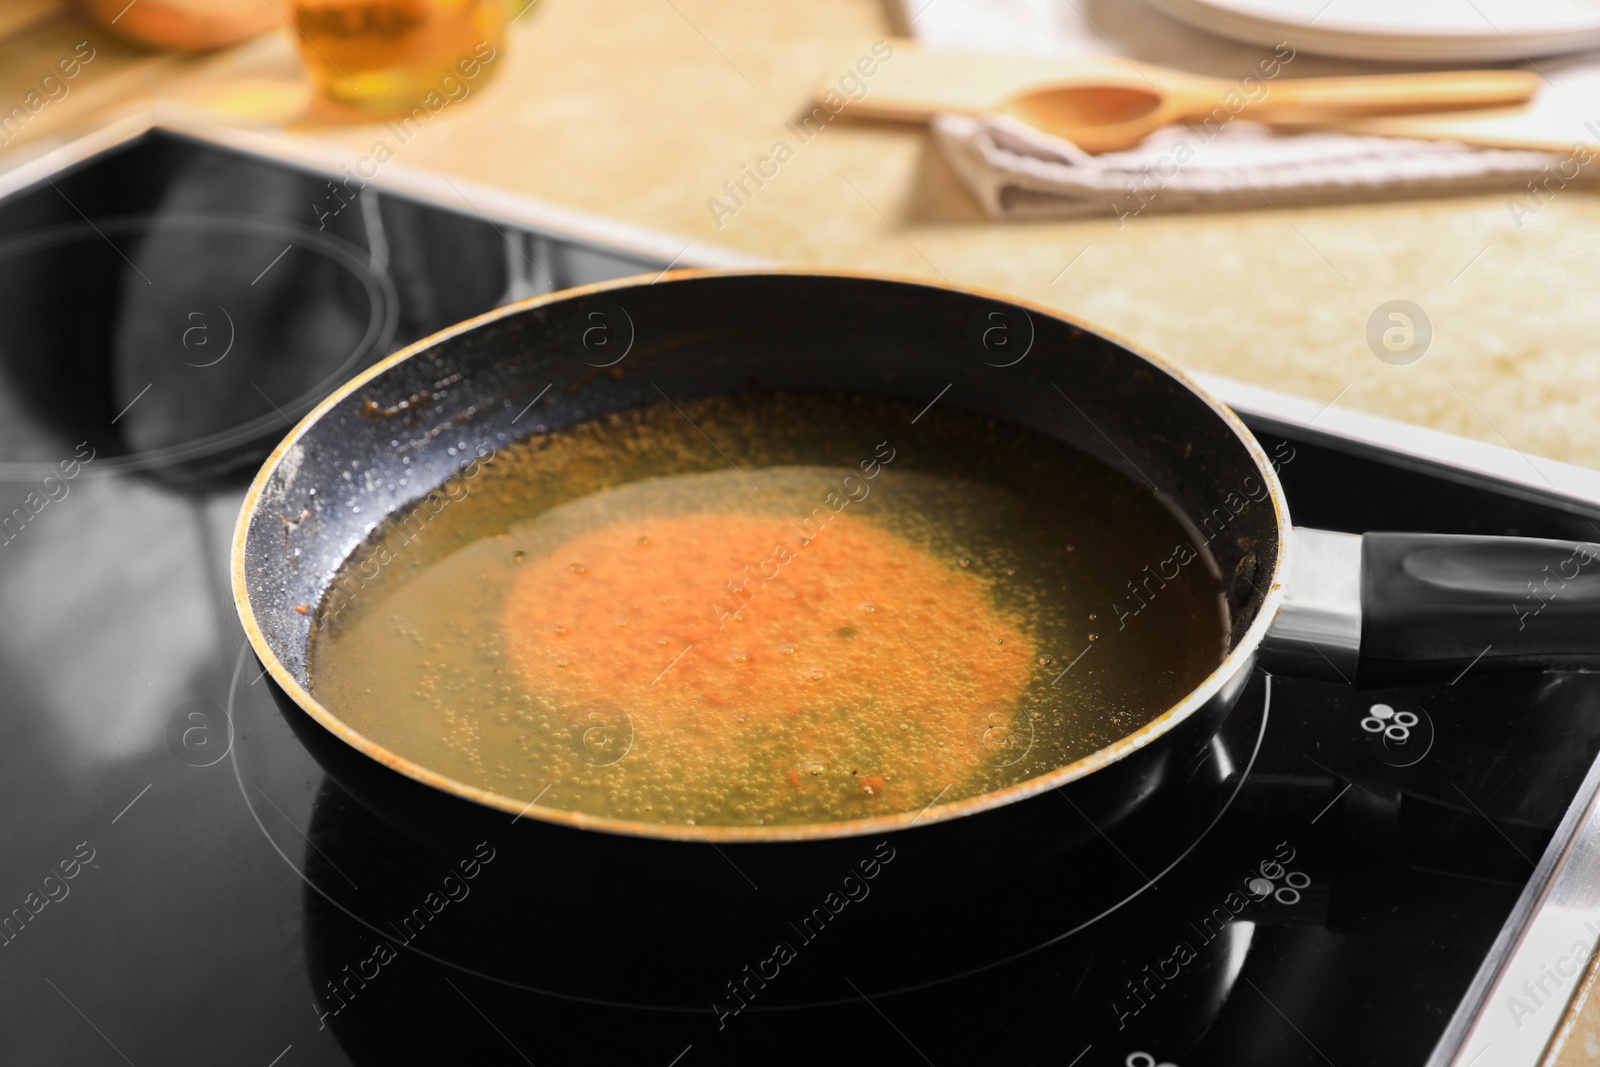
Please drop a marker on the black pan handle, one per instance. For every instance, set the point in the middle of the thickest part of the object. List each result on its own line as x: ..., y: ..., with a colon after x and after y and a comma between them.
x: 1434, y: 604
x: 1388, y: 609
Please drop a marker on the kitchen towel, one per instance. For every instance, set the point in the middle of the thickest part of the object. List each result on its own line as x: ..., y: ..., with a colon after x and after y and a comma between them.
x: 1017, y: 171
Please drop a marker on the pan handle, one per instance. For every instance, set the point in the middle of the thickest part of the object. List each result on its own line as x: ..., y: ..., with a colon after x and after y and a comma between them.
x: 1384, y: 609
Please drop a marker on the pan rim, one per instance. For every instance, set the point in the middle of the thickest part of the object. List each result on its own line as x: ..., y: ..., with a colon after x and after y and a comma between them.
x: 1239, y: 658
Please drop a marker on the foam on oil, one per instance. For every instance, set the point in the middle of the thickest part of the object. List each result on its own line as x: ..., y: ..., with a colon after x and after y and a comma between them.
x: 771, y: 609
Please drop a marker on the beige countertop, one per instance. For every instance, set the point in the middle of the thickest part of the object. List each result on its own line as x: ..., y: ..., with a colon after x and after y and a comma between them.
x: 642, y: 109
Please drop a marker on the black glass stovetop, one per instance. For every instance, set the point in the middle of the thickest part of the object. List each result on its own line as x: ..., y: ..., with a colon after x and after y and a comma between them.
x: 182, y: 884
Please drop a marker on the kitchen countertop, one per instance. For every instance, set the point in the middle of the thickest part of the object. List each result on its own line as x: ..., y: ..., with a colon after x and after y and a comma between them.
x: 642, y: 109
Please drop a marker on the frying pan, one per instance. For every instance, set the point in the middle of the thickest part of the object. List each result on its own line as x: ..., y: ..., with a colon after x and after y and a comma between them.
x: 1380, y: 608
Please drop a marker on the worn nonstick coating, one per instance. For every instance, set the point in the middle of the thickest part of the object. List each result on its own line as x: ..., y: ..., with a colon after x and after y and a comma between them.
x: 605, y: 348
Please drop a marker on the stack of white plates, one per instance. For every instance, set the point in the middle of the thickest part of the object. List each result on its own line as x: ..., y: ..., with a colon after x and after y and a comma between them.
x: 1413, y: 31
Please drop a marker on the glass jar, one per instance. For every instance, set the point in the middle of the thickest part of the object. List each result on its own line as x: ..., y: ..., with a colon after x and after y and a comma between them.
x: 394, y: 56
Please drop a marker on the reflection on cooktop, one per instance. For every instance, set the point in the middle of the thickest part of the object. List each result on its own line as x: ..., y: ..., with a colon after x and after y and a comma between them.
x: 213, y: 357
x: 178, y: 307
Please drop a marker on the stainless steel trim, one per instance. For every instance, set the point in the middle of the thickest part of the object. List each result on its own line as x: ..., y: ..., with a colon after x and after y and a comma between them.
x: 1521, y: 993
x: 1317, y: 633
x: 1520, y: 1005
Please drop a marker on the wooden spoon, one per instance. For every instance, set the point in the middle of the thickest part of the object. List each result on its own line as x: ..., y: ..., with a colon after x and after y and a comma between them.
x: 1105, y: 106
x: 1112, y: 117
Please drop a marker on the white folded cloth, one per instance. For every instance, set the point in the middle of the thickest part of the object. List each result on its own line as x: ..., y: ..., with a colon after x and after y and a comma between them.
x: 1017, y: 171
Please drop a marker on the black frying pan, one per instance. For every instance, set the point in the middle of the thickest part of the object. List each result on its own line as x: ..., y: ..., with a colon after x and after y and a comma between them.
x: 1381, y: 608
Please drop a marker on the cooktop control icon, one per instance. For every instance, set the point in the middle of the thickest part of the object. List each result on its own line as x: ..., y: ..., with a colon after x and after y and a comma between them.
x: 1399, y: 732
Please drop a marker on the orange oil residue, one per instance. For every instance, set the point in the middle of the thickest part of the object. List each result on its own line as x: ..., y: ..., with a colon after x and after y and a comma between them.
x: 708, y: 627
